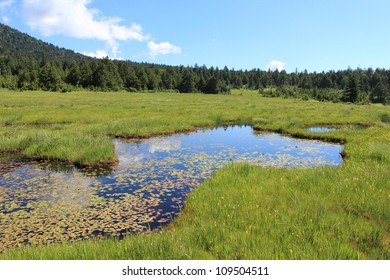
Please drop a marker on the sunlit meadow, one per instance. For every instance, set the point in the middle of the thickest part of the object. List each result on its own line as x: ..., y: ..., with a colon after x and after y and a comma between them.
x: 242, y: 211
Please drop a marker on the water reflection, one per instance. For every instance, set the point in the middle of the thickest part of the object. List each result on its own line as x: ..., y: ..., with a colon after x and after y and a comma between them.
x: 163, y: 145
x: 146, y: 190
x: 321, y: 129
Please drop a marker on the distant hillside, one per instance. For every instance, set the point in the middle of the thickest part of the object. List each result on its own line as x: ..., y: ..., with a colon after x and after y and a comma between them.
x: 14, y: 42
x: 27, y: 63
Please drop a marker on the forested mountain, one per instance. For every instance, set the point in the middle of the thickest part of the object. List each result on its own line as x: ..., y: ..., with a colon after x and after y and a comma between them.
x: 30, y: 64
x: 16, y: 43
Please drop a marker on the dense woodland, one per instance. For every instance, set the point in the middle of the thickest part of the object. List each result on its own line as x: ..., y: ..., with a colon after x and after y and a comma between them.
x: 30, y: 64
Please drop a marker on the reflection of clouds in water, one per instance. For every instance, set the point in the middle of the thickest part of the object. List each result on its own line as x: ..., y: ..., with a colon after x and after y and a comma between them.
x: 163, y: 145
x: 300, y: 148
x: 120, y: 147
x: 67, y: 190
x: 126, y: 160
x: 47, y: 191
x: 128, y: 155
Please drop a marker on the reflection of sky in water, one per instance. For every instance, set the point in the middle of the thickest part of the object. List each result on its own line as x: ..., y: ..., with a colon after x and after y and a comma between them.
x: 232, y: 143
x: 163, y: 145
x: 28, y: 184
x: 321, y: 129
x: 151, y: 181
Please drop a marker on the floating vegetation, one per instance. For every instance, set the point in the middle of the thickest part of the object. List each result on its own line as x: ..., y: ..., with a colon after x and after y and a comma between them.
x: 42, y: 204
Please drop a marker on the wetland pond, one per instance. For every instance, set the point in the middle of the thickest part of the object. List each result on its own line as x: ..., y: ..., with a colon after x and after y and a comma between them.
x: 321, y: 129
x: 42, y: 204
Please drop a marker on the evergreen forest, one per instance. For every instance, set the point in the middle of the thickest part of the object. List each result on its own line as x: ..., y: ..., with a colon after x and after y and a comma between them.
x: 30, y: 64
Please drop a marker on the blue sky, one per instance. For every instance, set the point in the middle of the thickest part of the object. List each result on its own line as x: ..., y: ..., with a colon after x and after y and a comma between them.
x: 241, y: 34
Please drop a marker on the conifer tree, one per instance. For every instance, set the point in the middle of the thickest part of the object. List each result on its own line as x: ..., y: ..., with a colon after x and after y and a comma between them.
x: 353, y: 91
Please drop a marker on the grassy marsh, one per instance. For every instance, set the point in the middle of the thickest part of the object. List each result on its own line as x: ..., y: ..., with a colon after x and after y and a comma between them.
x: 257, y: 213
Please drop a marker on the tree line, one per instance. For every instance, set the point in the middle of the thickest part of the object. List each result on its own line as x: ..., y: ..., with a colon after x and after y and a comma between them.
x: 30, y: 64
x: 28, y: 73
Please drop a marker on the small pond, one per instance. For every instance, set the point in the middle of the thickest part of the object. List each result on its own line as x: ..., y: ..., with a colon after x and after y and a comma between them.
x: 321, y: 129
x: 43, y: 204
x: 337, y: 127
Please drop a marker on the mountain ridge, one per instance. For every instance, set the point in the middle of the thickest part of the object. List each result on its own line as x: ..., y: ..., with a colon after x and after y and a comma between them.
x: 15, y: 42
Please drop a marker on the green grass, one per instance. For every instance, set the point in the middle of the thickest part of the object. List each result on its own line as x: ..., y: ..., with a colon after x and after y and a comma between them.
x: 242, y: 212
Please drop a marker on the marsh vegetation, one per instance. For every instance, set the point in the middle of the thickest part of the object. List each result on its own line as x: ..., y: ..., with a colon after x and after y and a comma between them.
x: 258, y: 212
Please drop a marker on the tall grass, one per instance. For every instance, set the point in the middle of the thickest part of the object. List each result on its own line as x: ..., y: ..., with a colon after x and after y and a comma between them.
x: 243, y: 211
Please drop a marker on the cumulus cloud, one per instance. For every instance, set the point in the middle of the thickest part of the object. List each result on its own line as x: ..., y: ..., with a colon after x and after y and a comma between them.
x: 162, y: 48
x: 276, y: 65
x: 97, y: 54
x: 5, y: 3
x: 75, y: 19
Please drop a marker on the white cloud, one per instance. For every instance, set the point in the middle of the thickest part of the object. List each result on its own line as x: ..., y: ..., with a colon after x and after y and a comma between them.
x: 5, y: 19
x: 97, y: 54
x: 73, y: 18
x: 162, y: 48
x: 4, y: 7
x: 276, y: 65
x: 6, y: 3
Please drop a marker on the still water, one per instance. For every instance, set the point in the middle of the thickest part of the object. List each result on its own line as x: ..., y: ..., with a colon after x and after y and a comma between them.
x: 44, y: 204
x: 321, y: 129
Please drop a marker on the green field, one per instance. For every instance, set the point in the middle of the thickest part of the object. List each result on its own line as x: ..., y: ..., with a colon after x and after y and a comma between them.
x: 256, y: 213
